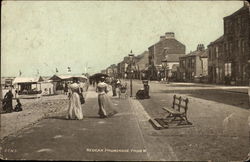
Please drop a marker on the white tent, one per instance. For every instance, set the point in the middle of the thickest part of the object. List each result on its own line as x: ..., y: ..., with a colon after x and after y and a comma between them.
x: 18, y: 80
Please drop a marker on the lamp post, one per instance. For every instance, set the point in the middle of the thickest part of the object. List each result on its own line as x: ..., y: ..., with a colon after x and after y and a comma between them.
x: 131, y: 56
x: 249, y: 82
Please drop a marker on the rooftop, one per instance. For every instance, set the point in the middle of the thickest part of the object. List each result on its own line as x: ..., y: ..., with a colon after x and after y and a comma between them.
x: 202, y: 54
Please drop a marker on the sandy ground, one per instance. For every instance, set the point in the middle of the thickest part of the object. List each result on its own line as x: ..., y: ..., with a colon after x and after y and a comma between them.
x: 33, y: 110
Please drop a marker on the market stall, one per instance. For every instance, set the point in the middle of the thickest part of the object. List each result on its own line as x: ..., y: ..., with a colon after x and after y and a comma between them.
x: 28, y: 87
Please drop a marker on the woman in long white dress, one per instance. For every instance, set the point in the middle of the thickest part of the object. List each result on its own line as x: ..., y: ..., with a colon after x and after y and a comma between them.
x: 75, y: 108
x: 106, y: 108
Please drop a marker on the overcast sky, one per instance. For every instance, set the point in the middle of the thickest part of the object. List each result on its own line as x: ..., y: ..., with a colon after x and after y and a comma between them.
x: 48, y: 35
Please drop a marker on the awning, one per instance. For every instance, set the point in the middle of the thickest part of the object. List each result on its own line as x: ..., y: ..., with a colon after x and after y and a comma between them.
x: 18, y: 80
x: 57, y: 78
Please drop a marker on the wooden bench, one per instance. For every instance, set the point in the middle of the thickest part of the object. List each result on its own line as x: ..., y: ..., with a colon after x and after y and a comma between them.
x: 178, y: 112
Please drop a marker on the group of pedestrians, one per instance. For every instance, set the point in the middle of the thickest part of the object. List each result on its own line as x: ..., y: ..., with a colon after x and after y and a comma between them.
x: 76, y: 100
x: 116, y: 84
x: 7, y: 103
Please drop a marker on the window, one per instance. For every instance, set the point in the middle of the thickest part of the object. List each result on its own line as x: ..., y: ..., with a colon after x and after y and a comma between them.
x: 231, y: 47
x: 243, y: 46
x: 225, y: 49
x: 239, y: 46
x: 192, y: 63
x: 244, y: 72
x: 214, y: 53
x: 228, y: 69
x: 220, y: 73
x: 217, y: 51
x: 192, y: 75
x: 182, y: 63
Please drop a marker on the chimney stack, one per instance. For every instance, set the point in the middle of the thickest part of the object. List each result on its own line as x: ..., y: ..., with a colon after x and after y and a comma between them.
x: 200, y: 47
x: 162, y: 38
x: 169, y: 35
x: 246, y: 4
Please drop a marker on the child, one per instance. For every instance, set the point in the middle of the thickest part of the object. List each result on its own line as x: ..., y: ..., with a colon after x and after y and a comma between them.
x: 18, y: 106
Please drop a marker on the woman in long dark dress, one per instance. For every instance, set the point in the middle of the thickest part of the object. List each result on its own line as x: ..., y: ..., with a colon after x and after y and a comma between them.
x: 105, y: 105
x: 8, y: 101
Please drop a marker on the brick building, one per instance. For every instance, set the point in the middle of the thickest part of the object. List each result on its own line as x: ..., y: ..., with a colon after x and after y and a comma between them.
x: 141, y: 63
x: 167, y: 47
x: 229, y: 55
x: 194, y: 64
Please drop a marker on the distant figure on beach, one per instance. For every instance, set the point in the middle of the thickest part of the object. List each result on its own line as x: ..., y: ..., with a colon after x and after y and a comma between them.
x: 66, y: 89
x: 8, y: 101
x: 105, y: 106
x: 75, y: 108
x: 18, y: 106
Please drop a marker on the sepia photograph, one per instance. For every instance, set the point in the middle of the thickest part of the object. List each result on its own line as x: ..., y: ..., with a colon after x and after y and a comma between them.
x: 125, y: 80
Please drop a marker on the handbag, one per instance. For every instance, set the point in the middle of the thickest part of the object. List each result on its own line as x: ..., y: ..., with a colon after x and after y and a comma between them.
x: 82, y: 99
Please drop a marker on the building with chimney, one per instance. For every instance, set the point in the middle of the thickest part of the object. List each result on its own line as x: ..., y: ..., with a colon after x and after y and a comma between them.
x: 167, y: 48
x: 229, y: 55
x: 194, y: 64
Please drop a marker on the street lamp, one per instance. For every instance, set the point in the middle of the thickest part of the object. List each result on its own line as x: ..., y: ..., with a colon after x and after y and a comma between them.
x: 131, y: 57
x: 249, y: 82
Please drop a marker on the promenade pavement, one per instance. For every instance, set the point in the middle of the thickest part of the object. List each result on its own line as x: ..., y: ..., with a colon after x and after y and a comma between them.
x: 55, y: 138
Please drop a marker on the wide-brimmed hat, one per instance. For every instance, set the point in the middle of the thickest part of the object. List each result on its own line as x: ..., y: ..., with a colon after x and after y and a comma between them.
x: 74, y: 86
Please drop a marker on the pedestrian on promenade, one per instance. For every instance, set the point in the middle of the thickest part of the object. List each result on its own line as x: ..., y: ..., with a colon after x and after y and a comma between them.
x: 8, y: 101
x: 113, y: 84
x: 66, y: 89
x: 75, y: 108
x: 105, y: 106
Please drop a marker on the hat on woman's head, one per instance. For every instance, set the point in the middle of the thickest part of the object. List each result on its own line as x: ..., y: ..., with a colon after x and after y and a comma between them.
x: 102, y: 78
x: 74, y: 86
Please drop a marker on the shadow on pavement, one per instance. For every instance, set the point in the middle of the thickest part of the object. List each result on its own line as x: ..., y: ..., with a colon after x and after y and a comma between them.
x: 64, y: 117
x: 220, y: 96
x: 95, y: 117
x: 57, y: 117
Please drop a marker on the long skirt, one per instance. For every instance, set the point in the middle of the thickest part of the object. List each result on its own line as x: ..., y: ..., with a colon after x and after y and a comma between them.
x: 8, y: 105
x: 106, y: 108
x: 75, y: 108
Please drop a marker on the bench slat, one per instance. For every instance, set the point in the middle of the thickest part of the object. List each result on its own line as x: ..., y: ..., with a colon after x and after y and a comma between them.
x: 155, y: 124
x: 172, y: 111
